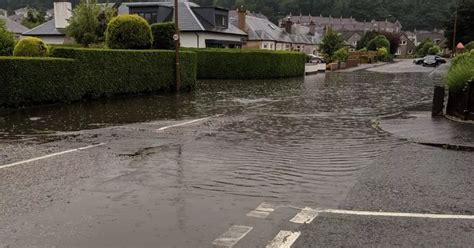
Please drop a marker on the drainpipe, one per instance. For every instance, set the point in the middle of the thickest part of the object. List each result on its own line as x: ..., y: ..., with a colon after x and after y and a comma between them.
x: 197, y: 39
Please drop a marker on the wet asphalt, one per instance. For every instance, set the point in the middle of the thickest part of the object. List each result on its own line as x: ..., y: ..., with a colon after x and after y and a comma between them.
x: 293, y: 143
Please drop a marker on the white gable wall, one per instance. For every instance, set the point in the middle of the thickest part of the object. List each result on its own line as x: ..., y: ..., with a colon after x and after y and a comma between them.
x: 198, y: 39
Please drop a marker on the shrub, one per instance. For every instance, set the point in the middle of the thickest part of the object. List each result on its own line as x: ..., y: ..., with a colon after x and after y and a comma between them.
x: 163, y: 35
x: 383, y: 53
x: 248, y: 64
x: 434, y: 50
x: 129, y: 32
x: 378, y: 42
x: 460, y: 72
x: 27, y: 81
x: 332, y: 41
x: 7, y: 42
x: 469, y: 46
x: 424, y: 47
x: 110, y: 72
x: 31, y: 47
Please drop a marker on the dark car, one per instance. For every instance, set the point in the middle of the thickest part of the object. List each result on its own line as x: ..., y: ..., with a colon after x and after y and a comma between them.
x: 418, y: 61
x: 440, y: 60
x: 430, y: 61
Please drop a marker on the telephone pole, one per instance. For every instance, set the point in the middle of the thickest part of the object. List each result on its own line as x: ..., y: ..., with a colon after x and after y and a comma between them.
x: 455, y: 28
x: 177, y: 38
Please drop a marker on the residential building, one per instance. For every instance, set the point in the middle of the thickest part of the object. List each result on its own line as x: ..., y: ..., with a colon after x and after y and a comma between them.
x: 406, y: 47
x: 351, y: 39
x: 201, y: 27
x: 344, y: 24
x: 304, y: 38
x: 14, y: 27
x: 53, y: 31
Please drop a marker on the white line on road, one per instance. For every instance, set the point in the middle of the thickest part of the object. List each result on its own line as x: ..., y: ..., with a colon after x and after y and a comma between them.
x: 284, y: 239
x: 232, y: 236
x: 187, y: 123
x: 50, y: 156
x: 305, y: 216
x: 262, y: 211
x: 391, y: 214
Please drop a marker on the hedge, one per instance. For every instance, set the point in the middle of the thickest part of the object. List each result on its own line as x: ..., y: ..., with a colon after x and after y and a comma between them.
x: 78, y: 73
x: 163, y: 35
x: 107, y: 72
x: 26, y: 81
x: 248, y: 64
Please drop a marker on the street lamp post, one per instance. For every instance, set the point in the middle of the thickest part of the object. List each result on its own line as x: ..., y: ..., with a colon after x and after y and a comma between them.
x: 177, y: 45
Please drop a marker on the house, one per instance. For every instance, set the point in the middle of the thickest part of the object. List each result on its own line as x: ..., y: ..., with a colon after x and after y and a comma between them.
x: 53, y: 31
x: 351, y: 39
x: 262, y: 33
x: 406, y: 47
x: 304, y: 38
x: 14, y: 27
x: 201, y: 27
x: 437, y: 36
x: 348, y: 24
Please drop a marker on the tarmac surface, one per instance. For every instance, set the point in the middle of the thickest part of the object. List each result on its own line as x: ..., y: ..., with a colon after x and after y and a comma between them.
x: 236, y: 164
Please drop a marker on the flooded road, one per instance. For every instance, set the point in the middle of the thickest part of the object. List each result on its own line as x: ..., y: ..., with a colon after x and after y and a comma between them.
x: 292, y: 142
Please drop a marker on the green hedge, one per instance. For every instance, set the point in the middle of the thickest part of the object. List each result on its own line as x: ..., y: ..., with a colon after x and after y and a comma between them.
x: 107, y: 72
x: 248, y: 64
x: 25, y: 81
x: 163, y: 35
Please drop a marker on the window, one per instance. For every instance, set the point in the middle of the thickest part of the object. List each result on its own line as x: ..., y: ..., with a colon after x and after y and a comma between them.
x: 221, y: 20
x: 151, y: 17
x: 403, y: 42
x: 265, y: 46
x: 410, y: 51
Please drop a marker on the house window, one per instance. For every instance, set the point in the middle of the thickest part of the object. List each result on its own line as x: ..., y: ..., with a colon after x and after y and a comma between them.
x: 151, y: 17
x: 410, y: 51
x: 221, y: 20
x: 265, y: 46
x: 404, y: 42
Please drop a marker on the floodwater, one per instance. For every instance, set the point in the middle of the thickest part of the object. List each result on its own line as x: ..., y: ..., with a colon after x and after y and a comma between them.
x: 291, y: 141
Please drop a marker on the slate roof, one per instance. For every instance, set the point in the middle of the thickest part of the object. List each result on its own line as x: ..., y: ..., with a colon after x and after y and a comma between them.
x: 12, y: 26
x: 46, y: 29
x: 189, y: 21
x: 338, y: 23
x: 261, y: 29
x: 424, y: 35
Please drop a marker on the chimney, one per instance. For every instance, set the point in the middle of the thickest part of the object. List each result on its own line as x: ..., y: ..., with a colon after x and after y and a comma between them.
x: 288, y: 24
x: 62, y: 13
x: 242, y: 18
x: 312, y: 26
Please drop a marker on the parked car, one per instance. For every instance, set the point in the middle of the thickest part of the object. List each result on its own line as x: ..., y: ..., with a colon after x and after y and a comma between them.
x: 315, y: 59
x: 430, y: 61
x: 418, y: 61
x: 440, y: 59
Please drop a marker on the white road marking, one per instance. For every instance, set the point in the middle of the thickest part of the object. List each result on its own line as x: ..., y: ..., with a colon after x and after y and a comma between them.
x: 391, y: 214
x: 232, y: 236
x: 187, y: 123
x: 50, y: 156
x: 261, y: 211
x: 284, y: 239
x: 305, y: 216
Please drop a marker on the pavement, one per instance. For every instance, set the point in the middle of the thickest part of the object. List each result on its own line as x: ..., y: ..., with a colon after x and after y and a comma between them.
x: 281, y: 163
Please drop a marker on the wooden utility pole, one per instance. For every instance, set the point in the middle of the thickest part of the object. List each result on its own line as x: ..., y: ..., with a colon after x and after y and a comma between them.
x: 177, y: 38
x: 455, y: 29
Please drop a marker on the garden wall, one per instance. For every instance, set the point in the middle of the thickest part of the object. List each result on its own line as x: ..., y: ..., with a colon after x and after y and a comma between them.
x: 248, y: 64
x: 461, y: 103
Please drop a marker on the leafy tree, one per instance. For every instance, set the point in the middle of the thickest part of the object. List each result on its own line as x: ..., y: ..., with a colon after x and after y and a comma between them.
x: 465, y: 24
x: 368, y: 36
x: 378, y: 42
x: 424, y: 47
x: 434, y: 50
x: 341, y: 55
x: 89, y: 22
x: 469, y: 46
x: 394, y: 40
x: 163, y: 35
x: 332, y: 41
x: 34, y: 18
x: 7, y: 40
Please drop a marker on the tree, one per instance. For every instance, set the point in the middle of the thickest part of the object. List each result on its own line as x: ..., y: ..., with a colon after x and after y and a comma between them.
x: 89, y: 22
x: 341, y: 55
x: 378, y: 42
x: 394, y: 40
x: 332, y: 41
x: 368, y: 36
x: 7, y: 40
x: 434, y: 50
x: 424, y: 47
x: 469, y: 46
x: 163, y: 35
x: 383, y: 52
x: 465, y: 23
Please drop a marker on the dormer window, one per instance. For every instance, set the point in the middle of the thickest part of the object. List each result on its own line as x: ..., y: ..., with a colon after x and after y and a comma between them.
x: 221, y: 20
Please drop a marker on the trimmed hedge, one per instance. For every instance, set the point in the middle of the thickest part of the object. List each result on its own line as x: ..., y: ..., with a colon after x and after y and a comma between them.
x: 248, y: 64
x: 107, y: 72
x: 163, y: 35
x: 128, y: 32
x: 26, y: 81
x: 31, y: 47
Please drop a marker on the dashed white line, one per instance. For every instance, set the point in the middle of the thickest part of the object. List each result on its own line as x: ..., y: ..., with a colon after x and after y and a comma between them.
x: 305, y: 216
x: 50, y: 156
x: 262, y: 211
x: 232, y: 236
x: 187, y: 122
x: 392, y: 214
x: 284, y: 239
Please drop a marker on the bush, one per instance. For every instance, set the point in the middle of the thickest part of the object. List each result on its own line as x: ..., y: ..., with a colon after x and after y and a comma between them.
x: 7, y: 42
x: 434, y: 50
x: 248, y: 64
x: 424, y: 47
x: 341, y: 55
x: 27, y: 81
x: 31, y: 47
x: 111, y: 72
x: 163, y: 35
x: 469, y: 46
x: 378, y: 42
x: 383, y: 53
x: 460, y: 72
x: 129, y: 32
